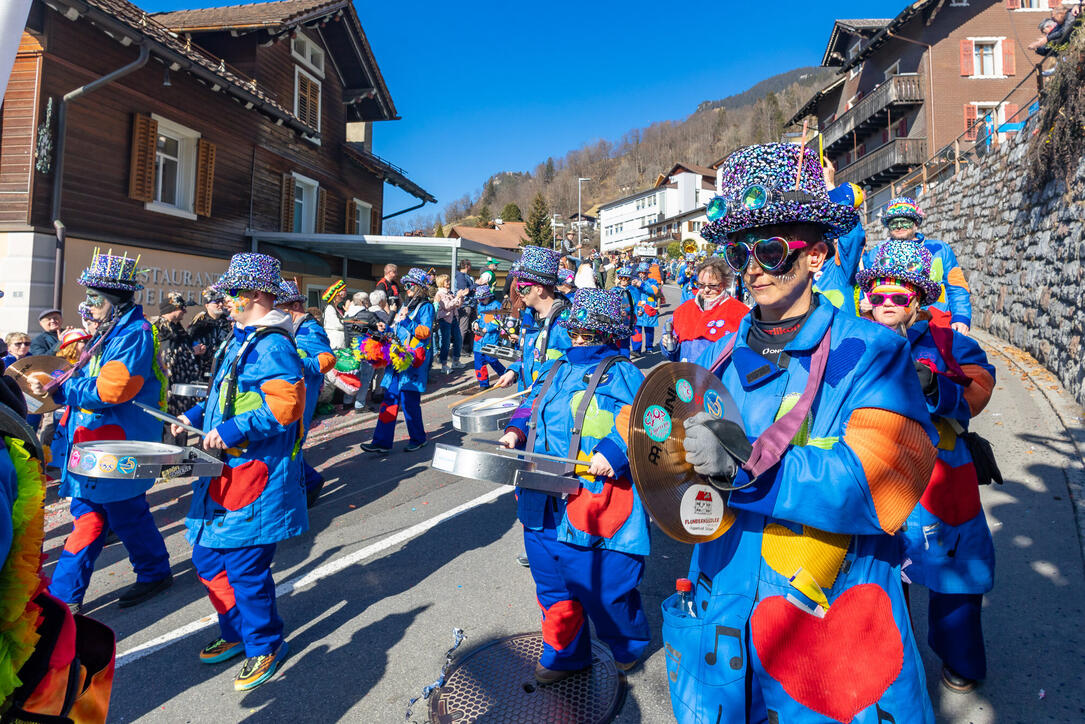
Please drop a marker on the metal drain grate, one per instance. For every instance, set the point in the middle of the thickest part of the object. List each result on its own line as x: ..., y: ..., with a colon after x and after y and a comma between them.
x: 496, y: 684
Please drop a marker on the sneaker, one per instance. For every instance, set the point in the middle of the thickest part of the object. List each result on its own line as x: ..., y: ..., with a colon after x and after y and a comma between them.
x: 220, y: 650
x: 258, y: 669
x: 446, y: 370
x: 371, y: 448
x: 141, y: 591
x: 457, y: 366
x: 412, y: 446
x: 544, y: 675
x: 955, y: 682
x: 523, y: 561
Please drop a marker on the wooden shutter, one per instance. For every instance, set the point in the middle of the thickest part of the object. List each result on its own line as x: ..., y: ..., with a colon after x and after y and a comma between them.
x: 969, y: 122
x: 141, y: 166
x: 308, y: 101
x: 352, y: 216
x: 286, y: 204
x: 374, y: 221
x: 968, y: 64
x: 902, y: 128
x: 1009, y: 111
x: 321, y: 210
x: 1013, y: 4
x: 205, y: 177
x: 1009, y: 57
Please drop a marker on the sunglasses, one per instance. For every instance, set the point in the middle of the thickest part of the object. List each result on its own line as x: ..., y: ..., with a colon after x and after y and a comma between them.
x: 772, y: 253
x: 20, y: 344
x: 901, y: 224
x: 587, y: 335
x: 711, y: 287
x: 897, y: 299
x: 524, y: 286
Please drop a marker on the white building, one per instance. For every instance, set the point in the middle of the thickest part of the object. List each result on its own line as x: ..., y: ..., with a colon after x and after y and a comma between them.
x: 624, y: 223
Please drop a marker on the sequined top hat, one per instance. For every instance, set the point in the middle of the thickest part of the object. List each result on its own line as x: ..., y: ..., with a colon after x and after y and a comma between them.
x: 625, y: 272
x: 691, y: 257
x: 903, y: 207
x: 538, y: 264
x: 483, y: 291
x: 644, y: 267
x: 416, y: 277
x: 599, y: 310
x: 111, y: 272
x: 901, y: 261
x: 758, y: 188
x: 290, y: 293
x: 330, y: 292
x: 566, y: 276
x: 259, y: 272
x: 210, y: 294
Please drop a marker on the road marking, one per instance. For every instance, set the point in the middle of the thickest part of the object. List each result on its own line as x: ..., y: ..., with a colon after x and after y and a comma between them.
x: 331, y: 567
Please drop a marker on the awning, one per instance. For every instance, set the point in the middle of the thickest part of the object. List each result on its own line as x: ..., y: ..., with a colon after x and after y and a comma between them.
x: 404, y: 251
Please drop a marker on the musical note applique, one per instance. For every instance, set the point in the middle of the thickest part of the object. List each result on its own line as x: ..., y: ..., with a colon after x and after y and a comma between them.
x: 704, y: 582
x: 736, y: 661
x: 884, y: 716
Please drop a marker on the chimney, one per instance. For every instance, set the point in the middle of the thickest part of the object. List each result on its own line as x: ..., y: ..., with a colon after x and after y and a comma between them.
x: 361, y: 132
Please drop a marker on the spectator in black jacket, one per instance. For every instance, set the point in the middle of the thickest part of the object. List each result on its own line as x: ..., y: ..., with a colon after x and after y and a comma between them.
x: 49, y: 339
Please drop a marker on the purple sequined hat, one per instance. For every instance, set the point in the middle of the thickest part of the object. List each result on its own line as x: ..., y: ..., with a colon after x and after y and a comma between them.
x: 258, y: 272
x: 599, y: 310
x: 289, y: 293
x: 902, y: 261
x: 539, y: 265
x: 483, y: 291
x: 567, y: 276
x: 758, y: 189
x: 416, y: 276
x: 111, y: 272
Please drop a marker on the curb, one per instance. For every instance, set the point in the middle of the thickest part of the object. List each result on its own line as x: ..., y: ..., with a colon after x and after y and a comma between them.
x: 1069, y: 413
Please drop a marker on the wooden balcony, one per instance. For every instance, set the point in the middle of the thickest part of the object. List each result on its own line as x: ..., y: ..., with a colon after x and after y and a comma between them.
x: 886, y: 163
x: 873, y: 111
x: 662, y: 239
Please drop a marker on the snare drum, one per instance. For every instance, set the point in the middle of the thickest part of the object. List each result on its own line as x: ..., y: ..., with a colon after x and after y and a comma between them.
x: 493, y: 417
x: 501, y: 468
x: 133, y: 459
x: 189, y: 390
x: 511, y: 354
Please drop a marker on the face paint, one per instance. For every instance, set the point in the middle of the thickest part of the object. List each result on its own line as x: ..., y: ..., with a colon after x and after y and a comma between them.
x: 94, y: 300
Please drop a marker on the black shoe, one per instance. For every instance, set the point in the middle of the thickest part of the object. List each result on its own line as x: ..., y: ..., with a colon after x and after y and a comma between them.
x: 411, y: 447
x: 75, y: 607
x: 544, y: 675
x: 955, y: 682
x: 371, y: 448
x: 312, y: 494
x: 523, y: 561
x: 141, y: 591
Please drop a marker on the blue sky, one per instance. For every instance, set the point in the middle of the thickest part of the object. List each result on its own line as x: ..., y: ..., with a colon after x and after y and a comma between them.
x: 484, y: 87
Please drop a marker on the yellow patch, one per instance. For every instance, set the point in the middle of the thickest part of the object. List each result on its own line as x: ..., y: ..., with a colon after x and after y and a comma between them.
x: 816, y: 552
x: 947, y: 436
x: 243, y: 402
x: 597, y: 423
x: 802, y: 436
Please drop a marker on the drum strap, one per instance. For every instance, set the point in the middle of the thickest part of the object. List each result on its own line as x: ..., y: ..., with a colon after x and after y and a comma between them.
x: 533, y: 424
x: 249, y: 343
x: 771, y: 445
x: 542, y: 346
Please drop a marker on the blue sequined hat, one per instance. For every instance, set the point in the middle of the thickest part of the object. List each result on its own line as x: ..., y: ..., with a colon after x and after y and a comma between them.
x: 538, y: 264
x: 758, y: 189
x: 644, y: 267
x: 290, y: 293
x: 625, y: 271
x: 111, y: 272
x: 902, y: 261
x: 599, y: 310
x: 566, y: 276
x: 259, y: 272
x: 417, y: 277
x: 903, y: 207
x: 691, y: 257
x: 483, y: 291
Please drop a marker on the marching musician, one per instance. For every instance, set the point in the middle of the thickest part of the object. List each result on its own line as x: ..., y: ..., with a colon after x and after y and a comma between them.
x: 625, y: 288
x: 587, y: 550
x: 412, y: 357
x: 705, y: 318
x: 487, y: 329
x: 687, y: 277
x: 535, y: 279
x: 317, y: 359
x: 646, y: 297
x: 253, y: 414
x: 800, y: 613
x: 947, y: 541
x: 119, y: 367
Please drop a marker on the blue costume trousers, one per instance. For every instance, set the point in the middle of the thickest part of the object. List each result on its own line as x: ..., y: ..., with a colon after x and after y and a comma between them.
x: 481, y: 373
x: 955, y: 632
x: 241, y: 589
x: 647, y: 338
x: 133, y: 523
x: 571, y: 581
x: 410, y: 402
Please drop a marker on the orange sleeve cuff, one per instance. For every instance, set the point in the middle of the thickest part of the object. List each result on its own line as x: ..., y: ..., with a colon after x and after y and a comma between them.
x: 326, y: 360
x: 286, y: 400
x: 116, y: 384
x: 977, y: 394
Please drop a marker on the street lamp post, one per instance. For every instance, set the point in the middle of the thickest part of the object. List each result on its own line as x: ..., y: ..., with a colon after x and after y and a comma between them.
x: 579, y: 217
x: 554, y: 226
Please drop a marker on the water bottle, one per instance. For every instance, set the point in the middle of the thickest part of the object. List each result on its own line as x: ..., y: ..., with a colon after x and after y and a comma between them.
x: 684, y: 587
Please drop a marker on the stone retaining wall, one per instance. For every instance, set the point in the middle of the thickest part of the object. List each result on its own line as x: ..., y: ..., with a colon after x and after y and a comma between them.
x: 1022, y: 250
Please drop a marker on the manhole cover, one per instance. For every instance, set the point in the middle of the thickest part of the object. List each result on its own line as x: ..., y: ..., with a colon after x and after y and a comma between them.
x: 497, y: 684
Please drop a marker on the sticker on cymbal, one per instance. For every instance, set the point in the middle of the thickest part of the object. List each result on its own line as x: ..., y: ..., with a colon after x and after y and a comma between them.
x: 657, y: 423
x: 684, y: 390
x: 713, y: 405
x: 702, y: 510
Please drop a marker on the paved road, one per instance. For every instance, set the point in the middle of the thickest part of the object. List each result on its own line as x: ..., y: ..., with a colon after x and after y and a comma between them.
x: 399, y: 554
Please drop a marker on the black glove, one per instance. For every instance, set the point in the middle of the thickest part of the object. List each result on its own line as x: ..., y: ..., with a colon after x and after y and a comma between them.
x: 927, y: 379
x: 715, y: 448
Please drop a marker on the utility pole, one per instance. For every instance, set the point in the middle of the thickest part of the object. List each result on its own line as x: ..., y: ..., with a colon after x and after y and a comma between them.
x: 554, y: 226
x: 579, y: 217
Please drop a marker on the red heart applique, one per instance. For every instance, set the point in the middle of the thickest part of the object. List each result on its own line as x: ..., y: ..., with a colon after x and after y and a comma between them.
x: 239, y: 486
x: 602, y: 513
x: 953, y: 494
x: 837, y: 665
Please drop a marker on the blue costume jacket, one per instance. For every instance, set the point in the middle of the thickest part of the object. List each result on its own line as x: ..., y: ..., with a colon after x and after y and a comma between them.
x: 317, y: 358
x: 685, y: 280
x: 946, y: 537
x: 260, y: 497
x: 413, y: 379
x: 837, y: 280
x: 125, y: 370
x: 605, y: 513
x: 488, y: 323
x: 955, y: 298
x: 646, y: 302
x: 532, y: 356
x: 806, y: 575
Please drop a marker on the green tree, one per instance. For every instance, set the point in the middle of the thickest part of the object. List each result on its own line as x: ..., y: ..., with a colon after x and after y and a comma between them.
x: 485, y: 216
x: 439, y: 230
x: 674, y: 250
x: 548, y: 172
x: 538, y: 227
x: 511, y: 212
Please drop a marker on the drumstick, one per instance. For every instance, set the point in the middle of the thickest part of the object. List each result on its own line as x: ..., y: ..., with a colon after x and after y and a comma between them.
x: 490, y: 403
x: 555, y: 458
x: 480, y: 393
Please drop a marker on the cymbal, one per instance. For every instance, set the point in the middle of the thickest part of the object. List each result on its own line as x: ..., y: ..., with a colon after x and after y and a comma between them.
x: 681, y: 501
x: 40, y: 367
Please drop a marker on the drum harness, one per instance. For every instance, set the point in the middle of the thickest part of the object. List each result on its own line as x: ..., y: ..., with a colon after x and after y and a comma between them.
x: 542, y: 343
x: 231, y: 376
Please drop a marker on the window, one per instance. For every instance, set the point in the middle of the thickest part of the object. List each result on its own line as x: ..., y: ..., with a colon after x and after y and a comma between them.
x: 1033, y: 5
x: 307, y: 99
x: 856, y: 70
x: 308, y: 52
x: 984, y: 58
x: 174, y: 169
x: 363, y: 214
x: 305, y: 193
